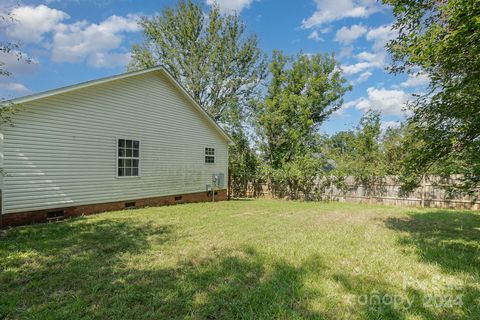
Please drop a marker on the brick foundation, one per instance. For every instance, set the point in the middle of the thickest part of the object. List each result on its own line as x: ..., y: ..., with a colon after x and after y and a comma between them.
x: 39, y: 216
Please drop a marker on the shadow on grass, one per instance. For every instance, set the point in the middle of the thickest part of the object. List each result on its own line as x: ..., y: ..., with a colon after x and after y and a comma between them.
x: 376, y: 299
x: 83, y: 238
x: 61, y: 267
x: 237, y: 284
x: 125, y: 269
x: 450, y: 239
x: 106, y: 269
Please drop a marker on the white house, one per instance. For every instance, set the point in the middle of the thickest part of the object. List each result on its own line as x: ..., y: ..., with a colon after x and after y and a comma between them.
x: 132, y: 140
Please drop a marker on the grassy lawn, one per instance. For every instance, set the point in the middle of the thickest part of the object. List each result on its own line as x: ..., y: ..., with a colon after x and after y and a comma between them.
x: 262, y: 259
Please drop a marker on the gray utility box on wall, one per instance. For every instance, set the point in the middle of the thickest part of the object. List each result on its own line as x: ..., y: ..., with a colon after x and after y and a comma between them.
x: 218, y: 179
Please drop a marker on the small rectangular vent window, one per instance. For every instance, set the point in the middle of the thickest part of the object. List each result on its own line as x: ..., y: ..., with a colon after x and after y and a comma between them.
x: 209, y: 155
x: 129, y: 205
x: 178, y: 198
x: 55, y: 214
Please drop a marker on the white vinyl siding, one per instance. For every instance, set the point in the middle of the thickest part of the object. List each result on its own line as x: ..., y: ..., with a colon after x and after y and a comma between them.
x: 62, y: 151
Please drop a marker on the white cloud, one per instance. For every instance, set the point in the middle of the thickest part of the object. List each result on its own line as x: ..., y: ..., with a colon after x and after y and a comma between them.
x: 7, y: 5
x: 416, y: 80
x: 366, y: 60
x: 109, y: 60
x: 378, y: 56
x: 389, y: 124
x: 31, y: 23
x: 18, y: 62
x: 355, y: 68
x: 363, y: 77
x: 347, y: 35
x: 96, y: 44
x: 346, y: 52
x: 368, y: 56
x: 338, y: 113
x: 380, y: 36
x: 388, y: 102
x: 350, y: 104
x: 315, y: 36
x: 14, y: 87
x: 231, y: 5
x: 93, y: 43
x: 332, y: 10
x: 326, y: 30
x: 347, y: 105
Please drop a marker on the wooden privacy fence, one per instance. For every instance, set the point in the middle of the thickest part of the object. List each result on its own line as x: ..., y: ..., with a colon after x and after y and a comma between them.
x: 433, y: 192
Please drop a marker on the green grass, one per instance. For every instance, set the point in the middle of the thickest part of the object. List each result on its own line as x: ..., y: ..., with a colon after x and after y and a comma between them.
x: 262, y: 259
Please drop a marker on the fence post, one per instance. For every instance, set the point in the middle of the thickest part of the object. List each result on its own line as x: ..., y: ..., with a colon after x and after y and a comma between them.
x: 423, y: 192
x: 1, y: 209
x: 331, y: 189
x: 229, y: 185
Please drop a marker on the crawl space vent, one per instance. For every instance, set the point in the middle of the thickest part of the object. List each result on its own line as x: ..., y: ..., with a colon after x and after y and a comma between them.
x: 55, y: 215
x: 130, y: 205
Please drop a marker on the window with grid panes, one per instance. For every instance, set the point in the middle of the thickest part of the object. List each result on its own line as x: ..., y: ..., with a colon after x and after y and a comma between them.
x: 128, y: 157
x: 209, y: 155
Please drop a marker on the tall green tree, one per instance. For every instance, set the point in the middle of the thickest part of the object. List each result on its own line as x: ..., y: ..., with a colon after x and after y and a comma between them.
x: 392, y: 148
x: 302, y: 93
x: 209, y: 53
x: 359, y: 153
x: 442, y: 40
x: 368, y: 162
x: 244, y: 167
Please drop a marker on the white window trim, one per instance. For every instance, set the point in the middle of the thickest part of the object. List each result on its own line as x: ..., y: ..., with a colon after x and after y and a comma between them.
x: 139, y: 158
x: 214, y: 156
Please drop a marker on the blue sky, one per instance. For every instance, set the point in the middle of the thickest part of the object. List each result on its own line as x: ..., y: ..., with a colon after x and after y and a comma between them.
x: 72, y: 41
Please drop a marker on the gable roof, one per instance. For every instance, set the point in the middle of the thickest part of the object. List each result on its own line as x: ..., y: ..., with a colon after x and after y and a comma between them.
x: 161, y: 69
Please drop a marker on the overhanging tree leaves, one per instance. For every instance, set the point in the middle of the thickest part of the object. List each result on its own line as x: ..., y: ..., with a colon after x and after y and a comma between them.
x: 211, y: 55
x: 441, y: 39
x: 11, y: 48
